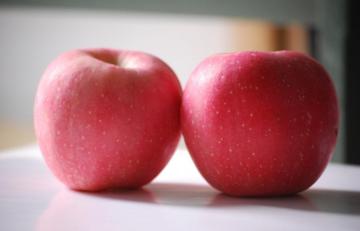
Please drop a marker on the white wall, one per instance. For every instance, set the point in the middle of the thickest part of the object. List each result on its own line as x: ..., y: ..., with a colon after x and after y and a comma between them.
x: 31, y: 37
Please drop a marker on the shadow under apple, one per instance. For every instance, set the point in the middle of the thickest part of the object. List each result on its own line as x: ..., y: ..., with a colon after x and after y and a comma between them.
x: 119, y: 204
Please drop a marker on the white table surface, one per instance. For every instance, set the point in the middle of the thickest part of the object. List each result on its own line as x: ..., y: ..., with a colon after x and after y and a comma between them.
x: 178, y: 199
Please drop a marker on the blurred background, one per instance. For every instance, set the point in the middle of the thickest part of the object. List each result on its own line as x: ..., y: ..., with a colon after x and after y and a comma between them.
x: 34, y: 32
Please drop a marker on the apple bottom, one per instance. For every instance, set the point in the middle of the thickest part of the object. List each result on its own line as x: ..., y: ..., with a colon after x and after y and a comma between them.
x: 261, y: 182
x: 260, y: 165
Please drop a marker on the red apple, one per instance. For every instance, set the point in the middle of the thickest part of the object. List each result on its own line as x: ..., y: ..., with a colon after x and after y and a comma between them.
x: 260, y: 123
x: 107, y: 118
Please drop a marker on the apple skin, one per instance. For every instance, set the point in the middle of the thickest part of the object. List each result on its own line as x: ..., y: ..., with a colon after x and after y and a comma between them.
x: 260, y: 123
x: 107, y: 118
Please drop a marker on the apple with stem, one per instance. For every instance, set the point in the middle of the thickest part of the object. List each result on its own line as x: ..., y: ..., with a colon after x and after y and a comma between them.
x: 107, y: 118
x: 260, y: 123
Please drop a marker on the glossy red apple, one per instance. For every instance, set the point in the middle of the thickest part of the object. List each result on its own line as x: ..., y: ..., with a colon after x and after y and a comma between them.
x: 260, y: 123
x: 107, y: 118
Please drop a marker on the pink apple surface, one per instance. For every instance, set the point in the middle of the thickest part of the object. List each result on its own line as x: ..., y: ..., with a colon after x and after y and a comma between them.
x: 260, y: 123
x: 107, y: 118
